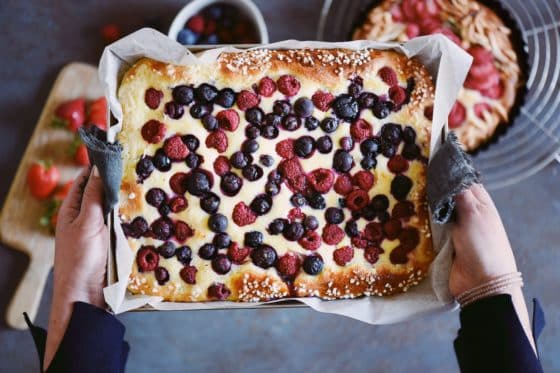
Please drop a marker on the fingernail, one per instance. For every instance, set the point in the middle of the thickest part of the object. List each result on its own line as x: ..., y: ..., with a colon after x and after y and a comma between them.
x: 95, y: 171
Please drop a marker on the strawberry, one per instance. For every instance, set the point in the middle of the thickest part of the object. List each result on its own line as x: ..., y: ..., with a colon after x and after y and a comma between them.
x: 97, y: 113
x: 42, y: 179
x: 79, y: 152
x: 62, y: 191
x: 70, y: 114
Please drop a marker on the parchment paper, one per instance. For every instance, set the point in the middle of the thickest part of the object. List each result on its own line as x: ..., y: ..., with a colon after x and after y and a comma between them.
x: 448, y: 65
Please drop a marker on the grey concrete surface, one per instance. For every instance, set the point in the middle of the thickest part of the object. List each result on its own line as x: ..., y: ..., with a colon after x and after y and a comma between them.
x: 39, y: 37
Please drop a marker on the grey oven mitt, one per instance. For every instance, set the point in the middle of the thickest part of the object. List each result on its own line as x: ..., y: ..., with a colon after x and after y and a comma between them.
x: 450, y: 172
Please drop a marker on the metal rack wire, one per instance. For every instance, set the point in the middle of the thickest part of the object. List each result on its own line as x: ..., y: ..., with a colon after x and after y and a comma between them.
x: 533, y: 140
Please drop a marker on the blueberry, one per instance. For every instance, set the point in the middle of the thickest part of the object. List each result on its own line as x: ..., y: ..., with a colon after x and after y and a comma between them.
x: 261, y: 204
x: 392, y: 133
x: 368, y: 162
x: 316, y: 201
x: 145, y: 167
x: 329, y: 124
x: 281, y: 108
x: 231, y: 184
x: 162, y: 229
x: 214, y: 11
x: 274, y: 176
x: 342, y: 161
x: 345, y: 107
x: 209, y: 122
x: 199, y: 111
x: 210, y: 203
x: 355, y: 89
x: 221, y: 264
x: 271, y: 119
x: 167, y: 249
x: 183, y: 94
x: 370, y: 146
x: 249, y: 146
x: 205, y: 93
x: 187, y: 37
x: 380, y: 202
x: 381, y: 109
x: 138, y: 227
x: 238, y: 160
x: 303, y: 107
x: 304, y: 146
x: 271, y: 188
x: 264, y: 256
x: 164, y: 210
x: 162, y: 161
x: 225, y: 98
x: 388, y: 149
x: 347, y: 143
x: 310, y: 223
x: 193, y: 160
x: 277, y: 226
x: 252, y: 172
x: 174, y: 110
x: 253, y: 239
x: 409, y: 135
x: 298, y: 200
x: 254, y: 116
x: 191, y: 141
x: 184, y: 254
x: 217, y: 223
x: 368, y: 213
x: 291, y: 122
x: 156, y: 197
x: 351, y: 229
x: 207, y: 251
x: 221, y: 240
x: 400, y: 186
x: 411, y: 151
x: 313, y: 265
x: 252, y: 132
x: 198, y: 183
x: 270, y: 132
x: 383, y: 216
x: 342, y: 203
x: 324, y: 144
x: 334, y: 215
x: 266, y: 160
x: 294, y: 231
x: 367, y: 100
x: 311, y: 123
x: 210, y: 39
x: 162, y: 275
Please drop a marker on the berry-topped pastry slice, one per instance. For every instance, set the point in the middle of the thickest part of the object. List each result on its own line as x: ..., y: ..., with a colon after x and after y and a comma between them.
x: 272, y: 174
x: 490, y: 90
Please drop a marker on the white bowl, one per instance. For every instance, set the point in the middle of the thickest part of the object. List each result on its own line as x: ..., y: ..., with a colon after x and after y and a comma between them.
x: 247, y: 7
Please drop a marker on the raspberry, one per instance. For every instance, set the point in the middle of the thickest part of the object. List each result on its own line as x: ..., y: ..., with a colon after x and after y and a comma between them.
x: 332, y: 234
x: 217, y: 140
x: 290, y: 169
x: 457, y: 115
x: 295, y: 213
x: 409, y: 238
x: 228, y: 119
x: 147, y: 259
x: 178, y: 182
x: 363, y: 180
x: 398, y: 164
x: 288, y: 85
x: 218, y: 291
x: 178, y: 204
x: 266, y: 87
x: 373, y: 232
x: 183, y: 231
x: 322, y: 100
x: 321, y: 179
x: 481, y: 108
x: 399, y: 255
x: 397, y: 95
x: 343, y: 255
x: 242, y: 215
x: 310, y: 241
x: 371, y: 254
x: 285, y: 148
x: 175, y: 148
x: 188, y: 274
x: 246, y: 100
x: 357, y: 200
x: 237, y: 254
x: 298, y: 184
x: 403, y: 210
x: 221, y: 165
x: 153, y: 131
x: 392, y: 228
x: 360, y: 130
x: 152, y: 98
x: 196, y: 24
x: 288, y: 265
x: 360, y: 242
x: 343, y: 184
x: 388, y: 75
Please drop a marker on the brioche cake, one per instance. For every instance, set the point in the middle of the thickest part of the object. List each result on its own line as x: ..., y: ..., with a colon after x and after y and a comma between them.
x: 490, y: 90
x: 276, y: 173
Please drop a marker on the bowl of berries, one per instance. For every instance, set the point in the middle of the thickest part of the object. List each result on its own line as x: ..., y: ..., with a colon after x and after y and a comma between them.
x: 203, y: 23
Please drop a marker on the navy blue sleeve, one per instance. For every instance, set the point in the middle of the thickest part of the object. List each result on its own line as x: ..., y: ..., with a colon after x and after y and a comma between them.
x: 93, y: 342
x: 491, y: 339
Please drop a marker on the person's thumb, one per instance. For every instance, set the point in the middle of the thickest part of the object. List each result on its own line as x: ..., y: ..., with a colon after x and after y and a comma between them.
x: 91, y: 210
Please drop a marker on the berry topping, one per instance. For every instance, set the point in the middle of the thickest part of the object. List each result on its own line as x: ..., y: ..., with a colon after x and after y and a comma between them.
x: 178, y: 204
x: 164, y: 210
x: 266, y: 87
x: 242, y: 215
x: 221, y: 264
x: 380, y: 202
x: 392, y: 229
x: 253, y: 239
x: 231, y: 184
x: 346, y: 143
x: 346, y: 107
x: 225, y: 98
x: 237, y: 254
x: 303, y: 107
x: 196, y: 24
x: 191, y: 142
x: 332, y: 234
x: 409, y: 135
x: 366, y: 100
x: 288, y: 85
x: 373, y: 232
x: 138, y: 227
x: 310, y: 223
x: 298, y: 199
x: 295, y: 214
x: 183, y: 254
x: 310, y: 240
x: 205, y: 93
x: 391, y: 133
x: 382, y: 109
x: 277, y: 226
x: 252, y: 172
x: 228, y: 119
x: 400, y: 186
x: 293, y: 231
x: 153, y: 131
x: 397, y: 94
x: 261, y: 204
x: 363, y: 180
x: 210, y: 203
x: 221, y: 165
x: 254, y: 116
x: 357, y: 200
x: 156, y: 197
x: 388, y: 75
x: 174, y: 110
x: 481, y: 108
x: 183, y: 231
x: 371, y: 254
x: 210, y: 122
x: 398, y: 164
x: 271, y: 188
x: 360, y: 130
x: 313, y: 265
x: 304, y: 146
x: 266, y: 160
x: 342, y: 161
x: 321, y: 179
x: 167, y: 249
x: 246, y: 100
x: 334, y: 215
x: 152, y: 98
x: 218, y: 291
x: 175, y: 148
x: 217, y: 140
x: 147, y: 259
x: 351, y: 229
x: 288, y: 265
x: 285, y: 148
x: 144, y: 167
x: 217, y: 223
x: 162, y: 229
x: 281, y: 108
x: 343, y: 184
x: 183, y: 94
x: 270, y: 132
x: 193, y: 160
x: 198, y: 182
x: 252, y: 132
x: 239, y: 160
x: 343, y: 255
x: 198, y: 111
x: 316, y: 201
x: 403, y: 210
x: 207, y: 251
x: 322, y: 100
x: 291, y: 122
x: 264, y: 256
x: 311, y: 123
x: 409, y: 238
x: 324, y: 144
x: 188, y: 274
x: 221, y: 240
x: 457, y: 115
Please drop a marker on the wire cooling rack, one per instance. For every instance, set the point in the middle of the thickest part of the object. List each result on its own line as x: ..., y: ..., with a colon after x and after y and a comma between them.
x: 533, y: 139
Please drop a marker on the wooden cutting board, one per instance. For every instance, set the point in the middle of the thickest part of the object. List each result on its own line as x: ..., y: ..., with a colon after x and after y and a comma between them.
x: 19, y: 219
